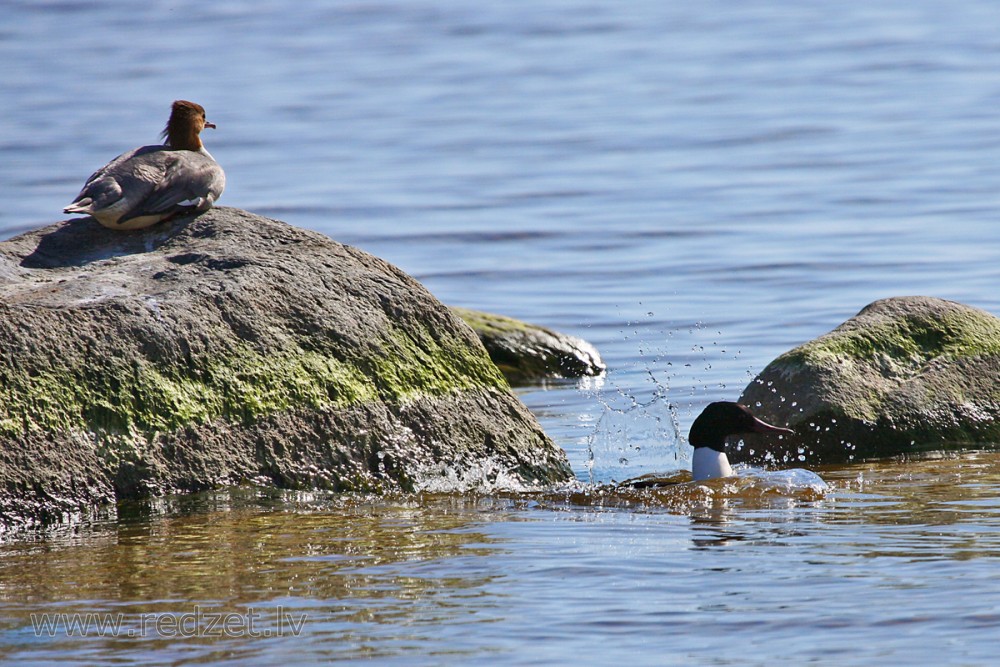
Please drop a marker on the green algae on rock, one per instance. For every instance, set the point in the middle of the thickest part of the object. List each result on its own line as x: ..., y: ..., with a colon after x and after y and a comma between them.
x: 232, y: 348
x: 527, y: 352
x: 906, y: 374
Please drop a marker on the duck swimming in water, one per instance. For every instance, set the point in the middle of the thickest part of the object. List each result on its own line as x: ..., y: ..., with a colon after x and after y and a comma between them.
x: 153, y: 183
x: 708, y: 436
x: 710, y: 430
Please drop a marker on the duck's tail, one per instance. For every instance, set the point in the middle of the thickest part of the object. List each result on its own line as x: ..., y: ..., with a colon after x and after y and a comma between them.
x: 84, y: 205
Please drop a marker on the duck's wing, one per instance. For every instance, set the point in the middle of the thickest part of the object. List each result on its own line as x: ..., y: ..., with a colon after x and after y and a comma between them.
x: 115, y: 180
x: 187, y: 180
x: 655, y: 480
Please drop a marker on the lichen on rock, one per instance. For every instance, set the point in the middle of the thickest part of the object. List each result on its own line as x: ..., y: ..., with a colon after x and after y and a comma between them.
x: 905, y: 374
x: 230, y: 348
x: 527, y: 353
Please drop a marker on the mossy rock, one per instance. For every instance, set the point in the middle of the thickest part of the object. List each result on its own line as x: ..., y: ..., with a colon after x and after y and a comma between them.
x: 527, y: 353
x: 906, y: 374
x: 232, y: 348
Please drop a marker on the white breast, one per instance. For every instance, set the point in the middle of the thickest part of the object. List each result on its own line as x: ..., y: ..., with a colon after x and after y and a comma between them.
x: 708, y: 464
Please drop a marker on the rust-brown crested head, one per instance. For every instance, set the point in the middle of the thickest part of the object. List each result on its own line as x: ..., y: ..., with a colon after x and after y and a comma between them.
x: 187, y: 120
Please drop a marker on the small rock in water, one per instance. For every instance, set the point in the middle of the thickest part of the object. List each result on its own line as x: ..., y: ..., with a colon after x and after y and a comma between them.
x: 905, y: 374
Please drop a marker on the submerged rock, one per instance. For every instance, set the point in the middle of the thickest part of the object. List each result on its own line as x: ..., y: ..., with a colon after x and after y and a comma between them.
x: 527, y: 352
x: 232, y: 348
x: 905, y: 374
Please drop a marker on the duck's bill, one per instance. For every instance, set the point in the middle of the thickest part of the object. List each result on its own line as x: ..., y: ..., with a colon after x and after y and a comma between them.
x: 763, y: 427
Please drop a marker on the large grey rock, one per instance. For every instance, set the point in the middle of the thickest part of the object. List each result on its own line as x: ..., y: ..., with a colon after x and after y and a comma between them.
x: 527, y: 353
x: 230, y: 348
x: 905, y: 374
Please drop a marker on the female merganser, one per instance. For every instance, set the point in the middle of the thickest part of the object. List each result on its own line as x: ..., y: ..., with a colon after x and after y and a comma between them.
x: 152, y: 183
x: 708, y: 437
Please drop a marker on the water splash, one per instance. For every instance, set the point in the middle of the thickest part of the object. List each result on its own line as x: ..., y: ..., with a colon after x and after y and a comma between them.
x: 488, y: 476
x: 642, y: 403
x: 633, y: 433
x: 677, y: 493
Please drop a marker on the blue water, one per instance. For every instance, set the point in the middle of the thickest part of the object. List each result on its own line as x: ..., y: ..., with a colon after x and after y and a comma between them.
x: 694, y: 188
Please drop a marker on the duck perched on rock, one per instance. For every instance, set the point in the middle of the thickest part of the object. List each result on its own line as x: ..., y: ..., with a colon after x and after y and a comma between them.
x: 153, y: 183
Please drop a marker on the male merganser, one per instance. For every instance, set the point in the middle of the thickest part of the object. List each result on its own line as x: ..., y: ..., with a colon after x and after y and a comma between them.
x: 152, y: 183
x: 708, y: 437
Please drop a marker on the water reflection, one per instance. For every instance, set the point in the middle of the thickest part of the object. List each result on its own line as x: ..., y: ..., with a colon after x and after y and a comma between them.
x: 340, y: 561
x: 456, y: 577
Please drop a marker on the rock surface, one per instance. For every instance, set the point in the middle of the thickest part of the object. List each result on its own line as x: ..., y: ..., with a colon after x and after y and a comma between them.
x: 905, y: 374
x: 527, y: 353
x: 232, y: 348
